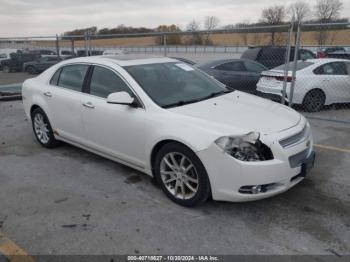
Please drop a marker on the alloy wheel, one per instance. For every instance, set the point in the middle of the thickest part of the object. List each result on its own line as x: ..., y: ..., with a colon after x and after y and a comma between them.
x: 179, y: 175
x: 41, y: 129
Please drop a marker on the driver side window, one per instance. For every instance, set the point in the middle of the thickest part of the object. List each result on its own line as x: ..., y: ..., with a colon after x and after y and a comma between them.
x: 104, y: 82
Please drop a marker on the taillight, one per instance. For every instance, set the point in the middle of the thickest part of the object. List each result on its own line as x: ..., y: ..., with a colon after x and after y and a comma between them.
x: 281, y: 78
x: 321, y: 55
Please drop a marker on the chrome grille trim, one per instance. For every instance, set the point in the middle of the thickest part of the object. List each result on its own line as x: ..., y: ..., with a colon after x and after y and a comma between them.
x: 298, y: 138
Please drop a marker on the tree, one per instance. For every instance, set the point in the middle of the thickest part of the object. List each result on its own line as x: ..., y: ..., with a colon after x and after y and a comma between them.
x: 273, y: 15
x: 298, y: 11
x: 173, y: 39
x: 210, y: 23
x: 194, y: 27
x: 326, y: 11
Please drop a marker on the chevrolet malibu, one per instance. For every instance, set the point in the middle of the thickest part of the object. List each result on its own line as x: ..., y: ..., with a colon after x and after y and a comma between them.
x: 165, y: 118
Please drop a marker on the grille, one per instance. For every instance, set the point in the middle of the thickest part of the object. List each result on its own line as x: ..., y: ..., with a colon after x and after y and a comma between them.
x: 297, y: 138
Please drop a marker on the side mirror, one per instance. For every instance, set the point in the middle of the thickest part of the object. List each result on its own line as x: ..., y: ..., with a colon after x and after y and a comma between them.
x: 121, y: 98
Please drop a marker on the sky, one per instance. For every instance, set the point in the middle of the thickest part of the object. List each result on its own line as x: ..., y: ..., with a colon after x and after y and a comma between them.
x: 51, y: 17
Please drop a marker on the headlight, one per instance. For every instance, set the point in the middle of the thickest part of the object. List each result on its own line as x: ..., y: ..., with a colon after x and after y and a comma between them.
x: 245, y: 148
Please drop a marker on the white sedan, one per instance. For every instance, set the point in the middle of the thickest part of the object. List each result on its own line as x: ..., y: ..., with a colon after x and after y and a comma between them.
x: 318, y: 82
x: 197, y: 138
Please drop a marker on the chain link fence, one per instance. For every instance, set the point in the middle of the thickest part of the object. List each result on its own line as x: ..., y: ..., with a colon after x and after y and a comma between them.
x: 305, y: 66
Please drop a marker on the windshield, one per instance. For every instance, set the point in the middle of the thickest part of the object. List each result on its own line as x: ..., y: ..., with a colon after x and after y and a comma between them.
x: 175, y: 84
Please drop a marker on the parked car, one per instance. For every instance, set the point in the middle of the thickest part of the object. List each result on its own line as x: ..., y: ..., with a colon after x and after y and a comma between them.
x: 272, y: 56
x: 46, y: 53
x: 40, y: 65
x: 185, y: 60
x: 324, y: 52
x: 240, y: 74
x: 82, y: 52
x: 174, y: 122
x: 341, y: 54
x: 16, y: 61
x: 5, y: 54
x: 114, y: 52
x: 318, y: 82
x: 64, y: 54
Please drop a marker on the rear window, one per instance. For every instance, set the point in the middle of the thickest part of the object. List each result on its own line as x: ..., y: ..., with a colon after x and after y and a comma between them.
x: 300, y: 65
x: 251, y: 53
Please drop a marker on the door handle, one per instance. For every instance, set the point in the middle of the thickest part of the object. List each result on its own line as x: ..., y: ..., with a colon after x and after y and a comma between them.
x: 47, y: 94
x: 325, y: 80
x: 88, y: 105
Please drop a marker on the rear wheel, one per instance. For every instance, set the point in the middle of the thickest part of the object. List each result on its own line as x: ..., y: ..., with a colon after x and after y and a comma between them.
x: 42, y: 129
x: 181, y: 175
x: 314, y: 101
x: 30, y: 70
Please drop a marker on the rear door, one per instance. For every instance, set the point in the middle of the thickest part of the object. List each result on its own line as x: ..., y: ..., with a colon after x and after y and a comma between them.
x: 252, y: 75
x: 334, y: 79
x: 64, y: 98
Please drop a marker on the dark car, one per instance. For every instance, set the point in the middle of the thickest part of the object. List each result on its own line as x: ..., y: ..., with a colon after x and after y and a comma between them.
x: 39, y: 65
x: 335, y: 52
x: 240, y: 74
x: 16, y: 61
x: 82, y: 52
x: 273, y: 56
x: 326, y: 52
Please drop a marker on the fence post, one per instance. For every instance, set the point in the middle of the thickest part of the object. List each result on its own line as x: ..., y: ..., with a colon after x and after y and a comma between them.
x: 164, y: 44
x: 286, y: 65
x: 57, y: 46
x: 85, y: 44
x: 72, y: 46
x: 296, y: 51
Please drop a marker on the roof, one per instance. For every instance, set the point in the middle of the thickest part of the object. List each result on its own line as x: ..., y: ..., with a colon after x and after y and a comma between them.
x: 124, y: 60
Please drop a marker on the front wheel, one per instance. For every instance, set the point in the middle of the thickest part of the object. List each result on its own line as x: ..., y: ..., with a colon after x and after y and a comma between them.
x: 42, y: 129
x: 314, y: 101
x: 6, y: 69
x: 181, y: 175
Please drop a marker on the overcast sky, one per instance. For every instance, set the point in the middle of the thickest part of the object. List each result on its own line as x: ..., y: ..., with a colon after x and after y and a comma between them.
x: 50, y: 17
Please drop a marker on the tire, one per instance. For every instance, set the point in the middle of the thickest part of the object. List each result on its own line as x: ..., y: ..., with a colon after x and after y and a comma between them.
x: 189, y: 187
x: 314, y: 101
x: 6, y: 69
x: 42, y: 129
x: 30, y: 70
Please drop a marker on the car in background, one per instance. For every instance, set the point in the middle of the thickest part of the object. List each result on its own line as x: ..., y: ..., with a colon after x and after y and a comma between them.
x: 16, y: 61
x: 167, y: 119
x: 240, y: 74
x: 318, y: 82
x: 82, y: 52
x: 327, y: 52
x: 66, y: 54
x: 5, y: 54
x: 113, y: 52
x: 272, y: 56
x: 340, y: 54
x: 46, y: 53
x: 185, y: 60
x: 40, y: 65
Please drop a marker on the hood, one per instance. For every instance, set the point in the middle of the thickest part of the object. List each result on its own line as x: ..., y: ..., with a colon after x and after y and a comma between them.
x: 240, y: 111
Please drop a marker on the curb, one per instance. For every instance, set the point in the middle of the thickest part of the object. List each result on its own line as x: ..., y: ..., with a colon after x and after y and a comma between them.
x: 5, y: 96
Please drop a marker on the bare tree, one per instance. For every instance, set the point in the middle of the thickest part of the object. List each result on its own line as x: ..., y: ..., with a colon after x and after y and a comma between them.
x: 326, y: 11
x: 298, y: 11
x: 194, y: 27
x: 210, y: 23
x: 273, y: 15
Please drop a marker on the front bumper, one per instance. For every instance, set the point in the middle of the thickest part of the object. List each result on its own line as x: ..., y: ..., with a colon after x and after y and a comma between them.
x: 228, y: 175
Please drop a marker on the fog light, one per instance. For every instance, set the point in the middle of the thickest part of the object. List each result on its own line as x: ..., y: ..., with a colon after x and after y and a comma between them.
x: 256, y: 189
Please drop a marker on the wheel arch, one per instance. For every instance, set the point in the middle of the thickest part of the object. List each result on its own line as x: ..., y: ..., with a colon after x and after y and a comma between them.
x: 318, y: 89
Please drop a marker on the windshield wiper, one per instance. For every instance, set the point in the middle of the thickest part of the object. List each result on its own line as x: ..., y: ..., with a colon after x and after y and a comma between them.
x: 181, y: 103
